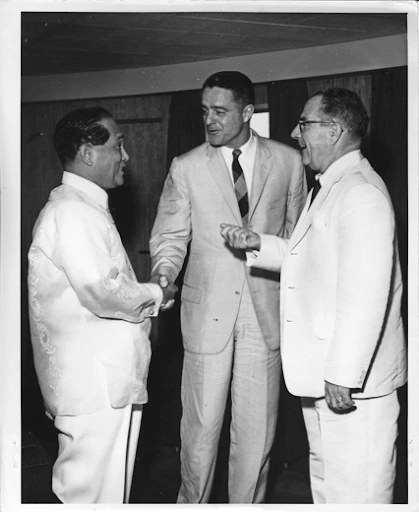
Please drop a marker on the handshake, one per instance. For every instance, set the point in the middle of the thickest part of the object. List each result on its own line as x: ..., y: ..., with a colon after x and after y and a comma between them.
x: 169, y: 290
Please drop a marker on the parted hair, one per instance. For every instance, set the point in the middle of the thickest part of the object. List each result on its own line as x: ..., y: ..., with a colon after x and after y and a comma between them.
x: 239, y: 84
x: 346, y: 106
x: 79, y: 127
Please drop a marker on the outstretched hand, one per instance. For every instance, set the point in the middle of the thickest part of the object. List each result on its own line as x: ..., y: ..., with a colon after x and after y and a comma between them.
x: 338, y: 398
x: 240, y: 238
x: 169, y: 290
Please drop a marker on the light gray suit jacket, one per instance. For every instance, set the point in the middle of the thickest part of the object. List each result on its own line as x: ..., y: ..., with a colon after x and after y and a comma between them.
x: 341, y: 288
x: 198, y: 196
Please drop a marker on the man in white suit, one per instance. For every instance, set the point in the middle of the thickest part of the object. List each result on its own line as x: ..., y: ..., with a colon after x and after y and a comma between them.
x: 342, y: 339
x: 229, y: 314
x: 89, y: 317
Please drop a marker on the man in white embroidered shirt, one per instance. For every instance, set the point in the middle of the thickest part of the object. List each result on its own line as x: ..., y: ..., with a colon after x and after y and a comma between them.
x: 342, y: 337
x: 89, y: 317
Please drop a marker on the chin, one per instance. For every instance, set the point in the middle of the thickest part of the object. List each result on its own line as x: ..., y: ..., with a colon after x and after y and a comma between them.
x: 215, y: 141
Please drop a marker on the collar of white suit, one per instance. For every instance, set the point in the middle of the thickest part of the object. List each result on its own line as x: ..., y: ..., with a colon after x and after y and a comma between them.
x: 349, y: 160
x: 95, y: 192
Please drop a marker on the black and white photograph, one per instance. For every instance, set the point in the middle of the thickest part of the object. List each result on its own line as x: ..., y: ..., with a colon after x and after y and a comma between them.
x: 209, y: 253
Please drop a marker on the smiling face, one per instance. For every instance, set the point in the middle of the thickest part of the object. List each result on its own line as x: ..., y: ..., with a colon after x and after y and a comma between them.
x: 314, y: 139
x: 110, y: 158
x: 226, y: 122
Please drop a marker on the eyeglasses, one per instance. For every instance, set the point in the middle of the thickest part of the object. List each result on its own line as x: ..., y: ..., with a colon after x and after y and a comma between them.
x: 302, y: 125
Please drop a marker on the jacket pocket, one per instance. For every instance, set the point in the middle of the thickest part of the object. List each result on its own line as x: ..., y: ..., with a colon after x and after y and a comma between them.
x: 191, y: 294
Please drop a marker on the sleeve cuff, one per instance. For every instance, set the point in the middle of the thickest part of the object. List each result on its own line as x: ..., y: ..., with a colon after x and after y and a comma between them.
x: 269, y: 257
x: 351, y: 377
x: 157, y: 295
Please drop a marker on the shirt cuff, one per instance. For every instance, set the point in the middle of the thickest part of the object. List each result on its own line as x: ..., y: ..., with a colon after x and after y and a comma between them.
x: 157, y: 295
x: 251, y: 257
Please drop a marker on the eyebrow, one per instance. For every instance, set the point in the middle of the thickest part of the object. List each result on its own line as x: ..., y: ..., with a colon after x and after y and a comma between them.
x: 215, y: 107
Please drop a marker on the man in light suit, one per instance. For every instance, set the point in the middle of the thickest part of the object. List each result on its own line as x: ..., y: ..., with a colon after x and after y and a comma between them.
x: 89, y: 317
x: 229, y: 313
x: 342, y: 341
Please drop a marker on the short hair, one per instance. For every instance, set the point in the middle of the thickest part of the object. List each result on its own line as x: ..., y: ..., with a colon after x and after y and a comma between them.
x: 346, y: 106
x: 239, y: 84
x: 78, y: 127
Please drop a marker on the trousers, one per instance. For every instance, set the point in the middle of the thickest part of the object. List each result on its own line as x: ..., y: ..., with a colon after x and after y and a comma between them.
x: 96, y: 454
x: 353, y: 455
x: 251, y: 371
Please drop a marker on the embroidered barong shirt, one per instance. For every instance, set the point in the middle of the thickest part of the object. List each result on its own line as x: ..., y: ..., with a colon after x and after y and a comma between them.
x: 89, y: 316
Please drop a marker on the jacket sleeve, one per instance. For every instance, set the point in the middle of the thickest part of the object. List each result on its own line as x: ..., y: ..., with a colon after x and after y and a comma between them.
x: 171, y: 232
x: 82, y: 252
x: 297, y: 195
x: 365, y: 248
x: 271, y: 254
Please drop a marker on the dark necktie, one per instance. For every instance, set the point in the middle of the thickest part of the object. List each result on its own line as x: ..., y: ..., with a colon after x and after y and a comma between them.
x: 316, y: 189
x: 240, y: 186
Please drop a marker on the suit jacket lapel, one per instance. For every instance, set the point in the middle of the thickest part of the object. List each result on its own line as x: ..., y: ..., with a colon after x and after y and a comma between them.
x: 262, y: 168
x: 220, y: 173
x: 306, y: 217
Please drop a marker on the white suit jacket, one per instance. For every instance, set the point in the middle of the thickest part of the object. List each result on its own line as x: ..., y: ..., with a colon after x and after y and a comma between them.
x: 197, y: 197
x: 341, y: 287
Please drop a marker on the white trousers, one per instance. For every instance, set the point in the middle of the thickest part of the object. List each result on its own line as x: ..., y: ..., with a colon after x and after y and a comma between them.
x: 353, y: 455
x: 253, y: 373
x: 96, y: 455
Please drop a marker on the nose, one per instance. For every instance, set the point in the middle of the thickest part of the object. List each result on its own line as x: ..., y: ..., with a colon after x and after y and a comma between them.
x: 125, y: 156
x: 208, y: 118
x: 296, y: 132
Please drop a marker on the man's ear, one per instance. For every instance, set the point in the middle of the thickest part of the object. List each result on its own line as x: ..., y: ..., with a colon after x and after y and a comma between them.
x: 248, y: 112
x: 86, y: 153
x: 335, y: 131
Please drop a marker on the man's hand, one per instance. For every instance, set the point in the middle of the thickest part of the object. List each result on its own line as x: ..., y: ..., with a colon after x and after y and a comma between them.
x: 338, y: 398
x: 169, y: 290
x: 240, y: 238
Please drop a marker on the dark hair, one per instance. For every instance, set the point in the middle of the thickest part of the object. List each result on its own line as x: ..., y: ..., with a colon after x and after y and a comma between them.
x: 240, y: 85
x: 346, y: 106
x: 78, y: 127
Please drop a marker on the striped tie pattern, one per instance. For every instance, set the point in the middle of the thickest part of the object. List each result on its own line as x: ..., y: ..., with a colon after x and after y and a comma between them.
x: 240, y: 186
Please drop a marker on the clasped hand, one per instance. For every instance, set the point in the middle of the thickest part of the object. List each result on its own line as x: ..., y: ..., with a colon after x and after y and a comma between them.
x: 240, y: 238
x: 169, y: 290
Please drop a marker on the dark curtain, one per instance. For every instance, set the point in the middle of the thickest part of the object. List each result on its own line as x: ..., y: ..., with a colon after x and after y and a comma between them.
x: 186, y: 128
x: 389, y: 158
x: 388, y: 151
x: 286, y: 100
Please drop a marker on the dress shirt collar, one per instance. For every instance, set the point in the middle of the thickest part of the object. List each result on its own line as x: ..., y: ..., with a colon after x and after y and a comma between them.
x: 87, y: 187
x: 346, y: 161
x: 247, y: 150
